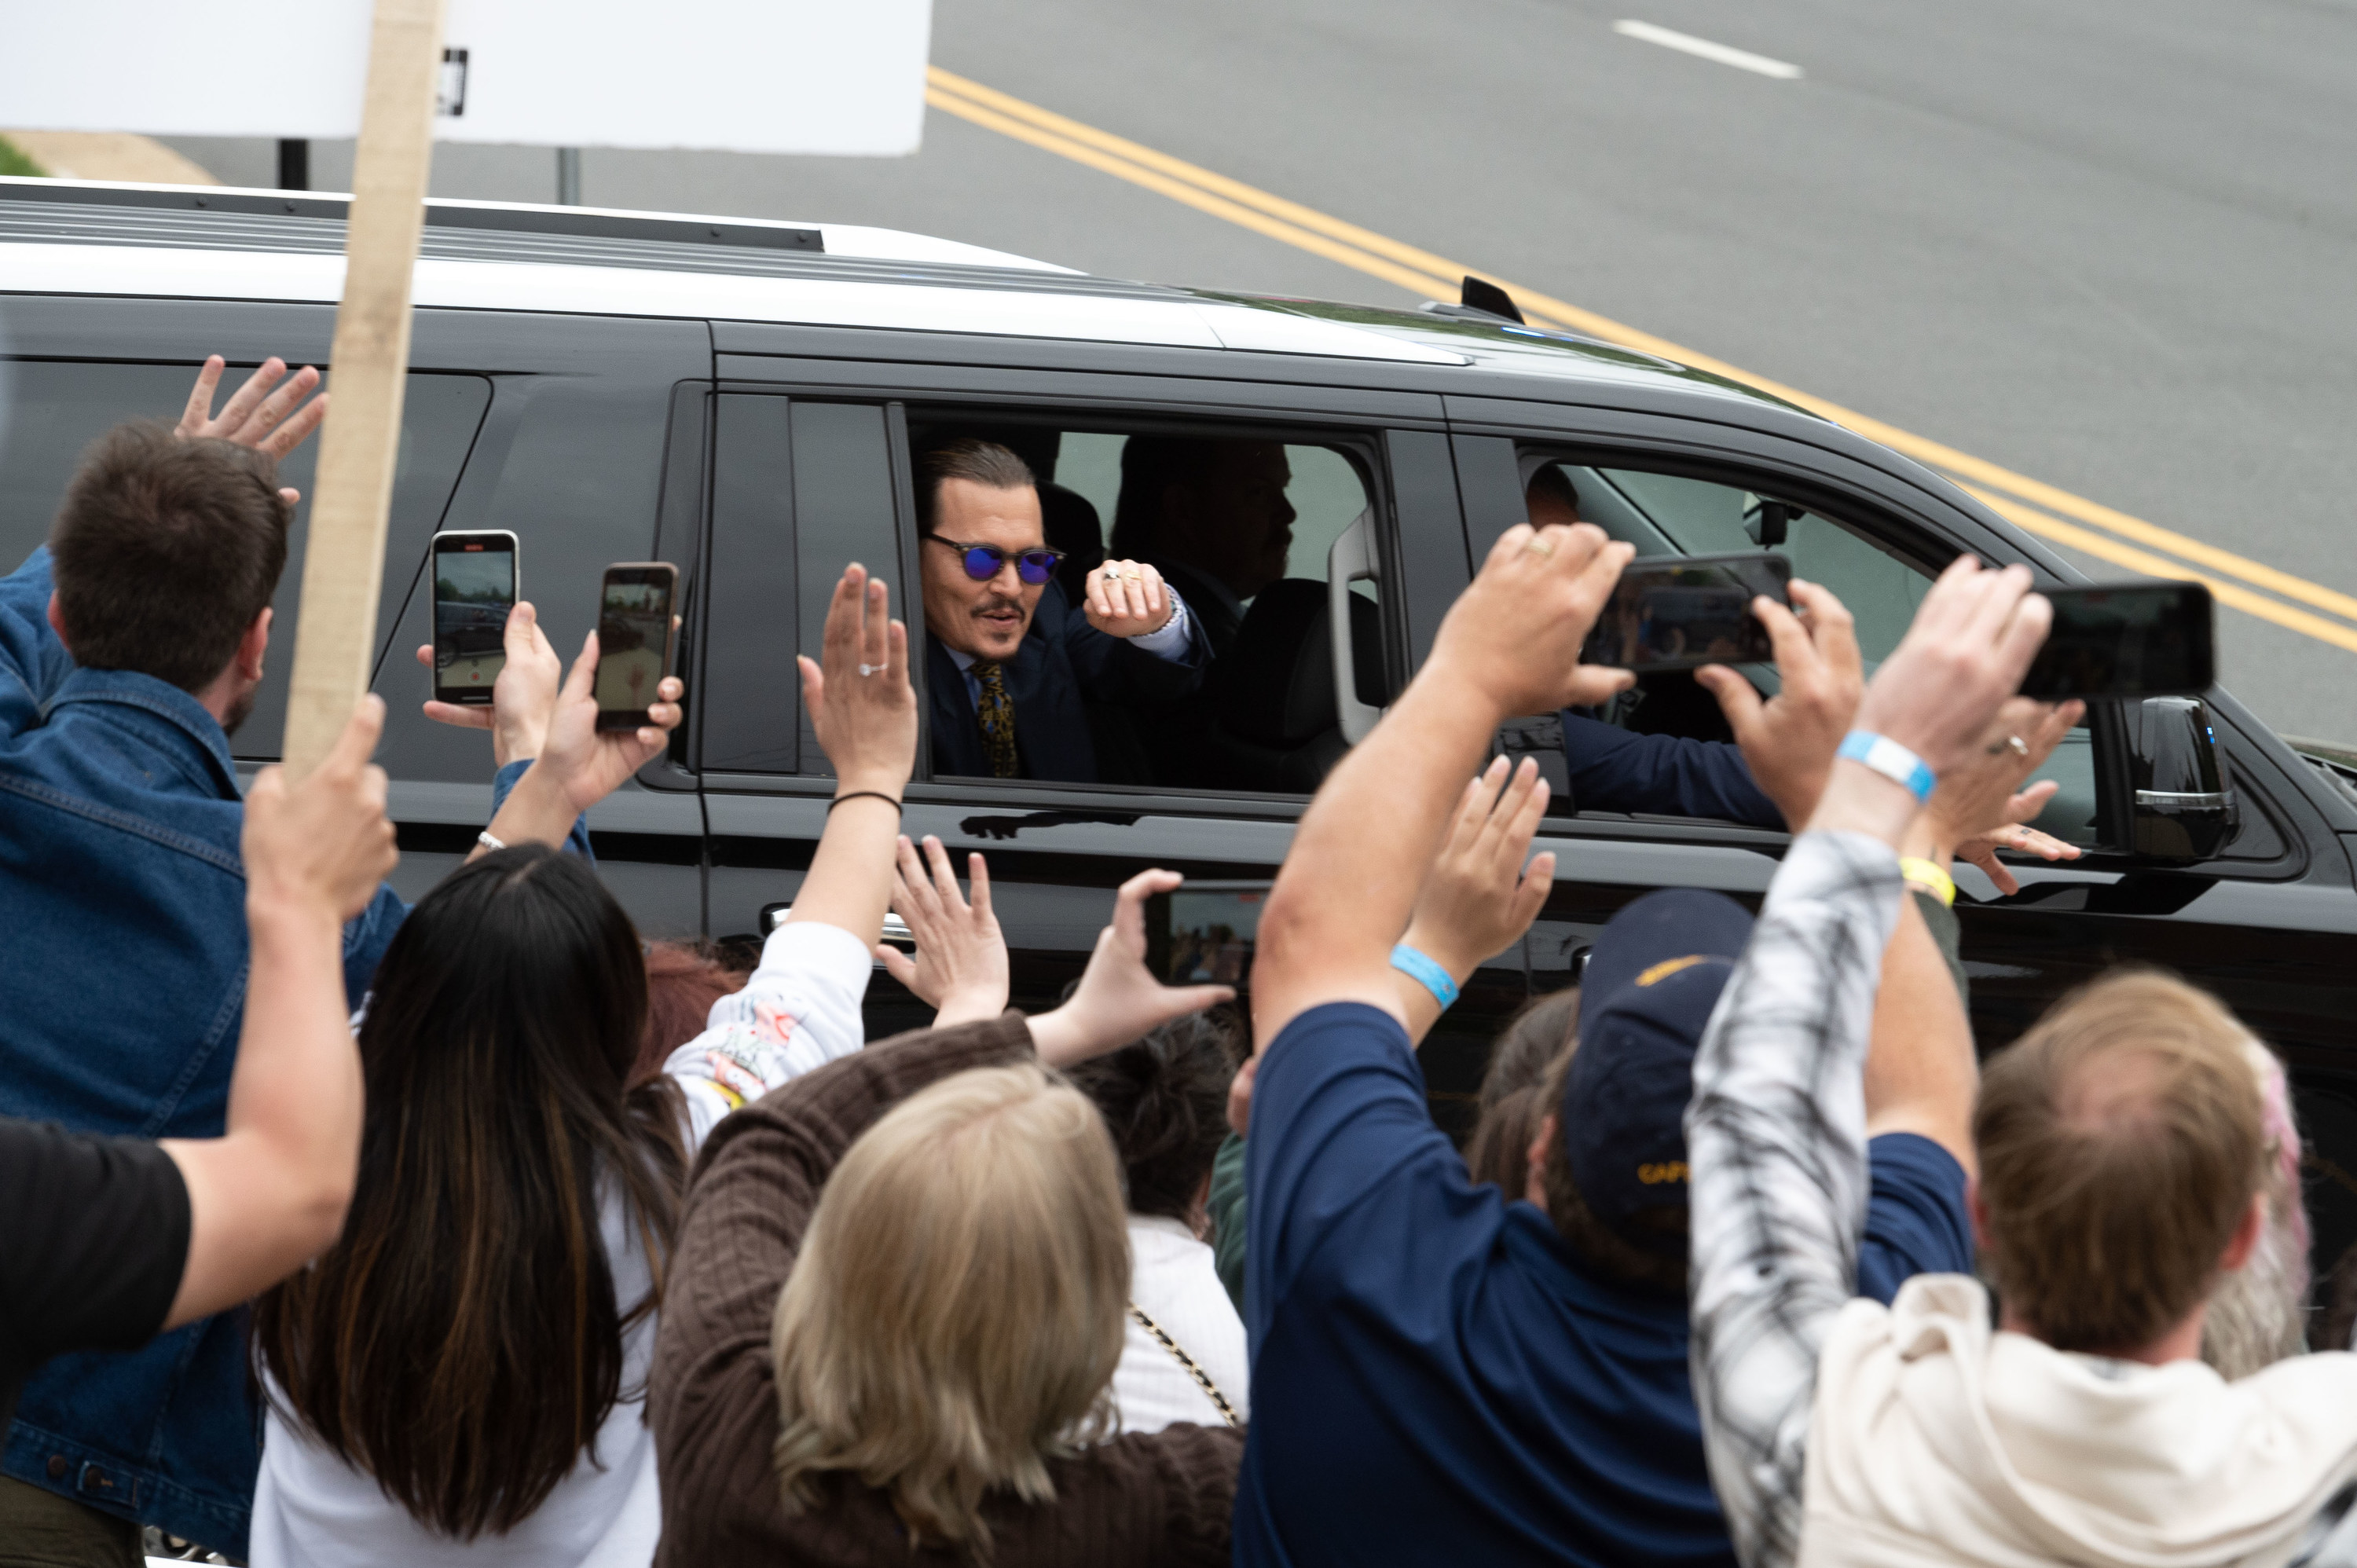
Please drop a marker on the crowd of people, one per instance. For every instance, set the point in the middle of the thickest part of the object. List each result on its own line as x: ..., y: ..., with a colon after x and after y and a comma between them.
x: 485, y: 1230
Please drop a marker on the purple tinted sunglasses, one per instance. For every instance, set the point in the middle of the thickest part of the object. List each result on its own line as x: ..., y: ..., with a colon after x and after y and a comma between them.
x: 983, y: 562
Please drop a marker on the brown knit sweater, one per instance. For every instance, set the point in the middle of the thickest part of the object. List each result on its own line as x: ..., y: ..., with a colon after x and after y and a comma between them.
x: 1146, y: 1498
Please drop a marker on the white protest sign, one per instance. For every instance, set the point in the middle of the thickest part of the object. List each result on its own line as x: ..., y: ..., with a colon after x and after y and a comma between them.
x: 749, y: 76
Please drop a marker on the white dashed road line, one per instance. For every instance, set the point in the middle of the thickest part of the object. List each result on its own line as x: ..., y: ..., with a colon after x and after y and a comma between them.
x: 1686, y: 43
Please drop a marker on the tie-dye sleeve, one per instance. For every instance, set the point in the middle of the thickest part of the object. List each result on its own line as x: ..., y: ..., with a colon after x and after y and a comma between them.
x: 800, y: 1011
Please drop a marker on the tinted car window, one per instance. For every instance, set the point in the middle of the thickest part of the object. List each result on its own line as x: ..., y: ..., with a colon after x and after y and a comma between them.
x: 800, y: 489
x: 59, y: 407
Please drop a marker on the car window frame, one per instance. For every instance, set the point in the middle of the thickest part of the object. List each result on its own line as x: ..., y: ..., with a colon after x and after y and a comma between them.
x: 1294, y: 413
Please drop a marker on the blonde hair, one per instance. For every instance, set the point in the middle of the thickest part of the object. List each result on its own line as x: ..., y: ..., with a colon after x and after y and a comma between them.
x: 955, y: 1317
x: 2121, y: 1142
x: 2258, y: 1314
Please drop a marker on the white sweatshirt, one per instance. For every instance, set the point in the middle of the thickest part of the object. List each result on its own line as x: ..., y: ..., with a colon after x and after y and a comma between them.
x: 800, y: 1011
x: 1937, y: 1440
x: 1173, y: 1276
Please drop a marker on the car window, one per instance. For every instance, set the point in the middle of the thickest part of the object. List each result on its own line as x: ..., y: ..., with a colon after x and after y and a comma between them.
x: 800, y: 488
x: 1246, y: 530
x: 59, y: 407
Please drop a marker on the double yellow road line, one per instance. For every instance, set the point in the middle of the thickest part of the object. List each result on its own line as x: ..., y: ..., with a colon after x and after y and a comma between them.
x: 2083, y: 525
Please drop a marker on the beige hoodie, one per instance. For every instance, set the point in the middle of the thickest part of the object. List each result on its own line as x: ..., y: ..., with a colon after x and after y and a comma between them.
x: 1935, y: 1440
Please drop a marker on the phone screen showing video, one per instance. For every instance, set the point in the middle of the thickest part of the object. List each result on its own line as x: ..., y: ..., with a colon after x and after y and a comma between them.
x: 2141, y: 639
x: 633, y: 641
x: 474, y: 588
x: 1680, y: 614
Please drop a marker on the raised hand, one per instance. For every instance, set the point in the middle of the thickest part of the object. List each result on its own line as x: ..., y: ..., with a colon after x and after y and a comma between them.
x: 1240, y: 1090
x: 321, y: 847
x: 1117, y: 999
x: 1477, y: 899
x: 859, y: 700
x: 1980, y: 805
x: 960, y: 970
x: 588, y: 764
x: 1789, y: 739
x: 254, y: 415
x: 1126, y: 598
x: 1512, y: 639
x: 1971, y: 642
x: 523, y: 698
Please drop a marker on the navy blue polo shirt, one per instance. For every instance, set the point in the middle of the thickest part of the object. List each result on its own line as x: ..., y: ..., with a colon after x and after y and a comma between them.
x: 1433, y: 1378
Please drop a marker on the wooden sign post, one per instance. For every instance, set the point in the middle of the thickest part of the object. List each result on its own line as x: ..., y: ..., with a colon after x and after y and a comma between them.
x: 343, y: 565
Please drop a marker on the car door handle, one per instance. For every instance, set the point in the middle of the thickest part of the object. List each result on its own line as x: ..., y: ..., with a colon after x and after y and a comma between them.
x: 896, y: 929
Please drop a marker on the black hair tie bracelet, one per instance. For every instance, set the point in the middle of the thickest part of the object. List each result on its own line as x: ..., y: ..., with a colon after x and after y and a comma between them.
x: 856, y: 794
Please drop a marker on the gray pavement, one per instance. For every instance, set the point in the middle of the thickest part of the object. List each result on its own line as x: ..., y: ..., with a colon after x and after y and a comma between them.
x: 2106, y: 243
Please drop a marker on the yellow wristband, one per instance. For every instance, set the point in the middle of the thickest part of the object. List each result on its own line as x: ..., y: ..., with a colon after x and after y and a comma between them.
x: 1930, y: 879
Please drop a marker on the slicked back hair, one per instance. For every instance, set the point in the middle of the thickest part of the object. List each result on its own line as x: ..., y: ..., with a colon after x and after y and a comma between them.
x: 2121, y: 1142
x: 986, y: 463
x: 165, y: 550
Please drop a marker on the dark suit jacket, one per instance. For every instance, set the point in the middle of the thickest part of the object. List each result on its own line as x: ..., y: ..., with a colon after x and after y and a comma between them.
x: 1614, y: 769
x: 1063, y: 664
x: 1207, y: 600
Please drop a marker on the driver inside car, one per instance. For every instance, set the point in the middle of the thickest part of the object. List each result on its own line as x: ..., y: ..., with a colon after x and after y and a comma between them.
x: 1012, y: 671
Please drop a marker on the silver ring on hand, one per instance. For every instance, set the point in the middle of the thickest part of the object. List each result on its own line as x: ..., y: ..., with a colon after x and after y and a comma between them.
x: 2020, y: 747
x: 872, y: 669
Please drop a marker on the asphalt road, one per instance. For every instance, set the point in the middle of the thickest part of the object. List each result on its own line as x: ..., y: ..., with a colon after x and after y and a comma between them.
x: 2109, y: 244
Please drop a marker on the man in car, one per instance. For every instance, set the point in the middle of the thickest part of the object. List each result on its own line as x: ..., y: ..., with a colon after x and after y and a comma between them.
x: 1012, y: 670
x: 1212, y: 515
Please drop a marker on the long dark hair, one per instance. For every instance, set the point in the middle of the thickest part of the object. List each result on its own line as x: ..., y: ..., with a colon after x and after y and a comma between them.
x: 1165, y: 1099
x: 461, y: 1342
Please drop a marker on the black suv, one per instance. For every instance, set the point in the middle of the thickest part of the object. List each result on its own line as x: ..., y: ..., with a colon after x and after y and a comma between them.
x: 742, y: 399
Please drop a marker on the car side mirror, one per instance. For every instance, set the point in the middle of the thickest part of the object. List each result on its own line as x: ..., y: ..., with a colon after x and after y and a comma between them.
x: 2183, y: 811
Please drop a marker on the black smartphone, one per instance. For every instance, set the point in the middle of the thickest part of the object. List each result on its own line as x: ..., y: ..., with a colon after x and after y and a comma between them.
x: 1683, y: 612
x: 1202, y: 933
x: 2126, y: 639
x: 636, y: 640
x: 474, y: 589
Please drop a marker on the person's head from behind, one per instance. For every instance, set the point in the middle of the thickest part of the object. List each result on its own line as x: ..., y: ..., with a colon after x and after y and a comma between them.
x: 1610, y: 1161
x: 462, y: 1340
x: 684, y: 979
x: 1165, y: 1099
x: 1550, y: 498
x: 166, y: 553
x: 1511, y: 1102
x: 984, y: 558
x: 2121, y: 1145
x: 2258, y: 1314
x: 955, y: 1315
x: 1218, y: 506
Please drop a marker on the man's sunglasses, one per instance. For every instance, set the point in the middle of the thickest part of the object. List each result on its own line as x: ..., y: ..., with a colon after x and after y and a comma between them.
x: 983, y: 562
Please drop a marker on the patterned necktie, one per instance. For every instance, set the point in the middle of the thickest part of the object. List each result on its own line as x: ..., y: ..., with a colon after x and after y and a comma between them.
x: 997, y: 718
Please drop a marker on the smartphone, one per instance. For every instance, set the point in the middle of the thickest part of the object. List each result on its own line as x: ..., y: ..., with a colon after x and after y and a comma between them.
x: 2126, y: 639
x: 1203, y: 933
x: 636, y: 640
x: 474, y: 589
x: 1683, y: 612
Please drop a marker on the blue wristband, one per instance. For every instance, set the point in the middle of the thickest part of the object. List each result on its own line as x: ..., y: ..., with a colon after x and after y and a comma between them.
x: 1426, y: 972
x: 1890, y: 760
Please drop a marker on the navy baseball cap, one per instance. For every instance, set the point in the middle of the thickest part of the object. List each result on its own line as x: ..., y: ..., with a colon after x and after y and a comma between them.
x: 1652, y: 979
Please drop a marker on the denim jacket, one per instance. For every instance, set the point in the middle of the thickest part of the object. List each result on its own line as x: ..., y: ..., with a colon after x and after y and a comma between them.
x: 123, y: 911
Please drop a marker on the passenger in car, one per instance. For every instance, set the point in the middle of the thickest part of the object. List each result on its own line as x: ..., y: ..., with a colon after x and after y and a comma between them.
x: 1012, y: 671
x: 1212, y: 515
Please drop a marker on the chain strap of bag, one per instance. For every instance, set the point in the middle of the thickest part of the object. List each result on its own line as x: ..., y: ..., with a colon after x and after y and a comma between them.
x: 1202, y: 1380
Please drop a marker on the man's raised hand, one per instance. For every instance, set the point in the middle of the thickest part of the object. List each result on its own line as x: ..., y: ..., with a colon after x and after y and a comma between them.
x: 1118, y: 999
x: 1126, y: 598
x: 1980, y: 805
x: 320, y: 848
x: 859, y: 700
x: 960, y: 970
x: 269, y: 422
x: 1789, y: 739
x: 1514, y: 637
